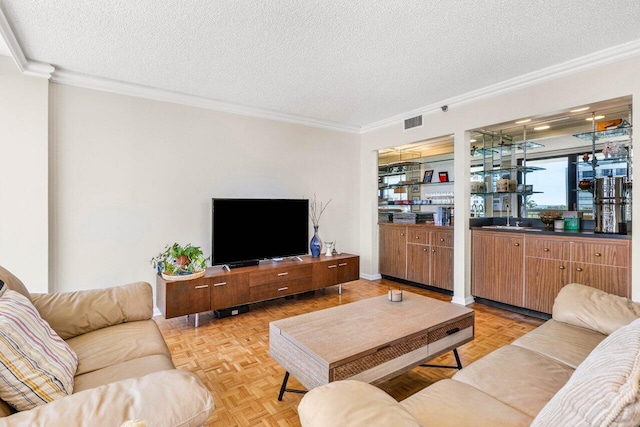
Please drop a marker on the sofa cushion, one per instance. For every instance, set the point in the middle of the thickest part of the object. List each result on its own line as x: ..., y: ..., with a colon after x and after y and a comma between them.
x: 36, y: 365
x: 352, y: 403
x: 122, y: 371
x: 449, y: 403
x: 13, y: 283
x: 594, y: 309
x: 173, y: 398
x: 116, y: 344
x: 560, y: 341
x: 521, y: 378
x: 75, y: 313
x: 605, y: 388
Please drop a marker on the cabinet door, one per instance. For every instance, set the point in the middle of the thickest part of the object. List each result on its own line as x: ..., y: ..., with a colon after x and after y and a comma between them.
x: 614, y: 280
x: 497, y: 271
x: 482, y: 248
x: 442, y: 267
x: 325, y: 274
x: 418, y: 263
x: 543, y: 280
x: 188, y: 297
x: 348, y: 269
x: 393, y: 251
x: 508, y: 266
x: 229, y: 290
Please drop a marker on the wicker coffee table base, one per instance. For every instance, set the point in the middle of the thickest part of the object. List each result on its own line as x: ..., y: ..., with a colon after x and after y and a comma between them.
x: 284, y: 389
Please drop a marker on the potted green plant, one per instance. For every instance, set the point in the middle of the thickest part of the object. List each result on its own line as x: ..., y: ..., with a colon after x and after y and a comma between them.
x: 179, y: 262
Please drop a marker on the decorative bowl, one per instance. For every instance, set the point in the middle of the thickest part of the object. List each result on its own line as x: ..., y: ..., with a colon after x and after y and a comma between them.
x: 549, y: 216
x: 180, y: 277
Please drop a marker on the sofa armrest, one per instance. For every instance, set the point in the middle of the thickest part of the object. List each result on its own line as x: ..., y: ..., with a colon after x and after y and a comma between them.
x: 165, y: 398
x: 74, y: 313
x: 352, y: 403
x: 591, y: 308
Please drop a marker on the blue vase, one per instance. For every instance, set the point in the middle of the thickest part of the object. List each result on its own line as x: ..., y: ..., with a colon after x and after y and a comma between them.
x: 316, y: 243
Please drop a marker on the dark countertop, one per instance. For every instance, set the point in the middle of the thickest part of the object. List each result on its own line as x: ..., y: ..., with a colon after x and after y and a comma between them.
x: 587, y: 231
x: 590, y: 233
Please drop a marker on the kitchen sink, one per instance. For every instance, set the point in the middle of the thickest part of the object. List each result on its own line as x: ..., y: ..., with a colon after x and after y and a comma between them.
x: 510, y: 227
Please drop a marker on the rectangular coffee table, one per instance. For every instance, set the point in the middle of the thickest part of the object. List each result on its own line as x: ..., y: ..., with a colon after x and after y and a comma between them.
x: 370, y: 340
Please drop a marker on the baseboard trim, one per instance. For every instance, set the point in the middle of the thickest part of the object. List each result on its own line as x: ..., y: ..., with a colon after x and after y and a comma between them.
x: 463, y: 300
x: 371, y: 276
x: 519, y: 310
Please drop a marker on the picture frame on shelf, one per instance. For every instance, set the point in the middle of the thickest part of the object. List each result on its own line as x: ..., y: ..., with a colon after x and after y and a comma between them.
x: 443, y: 176
x: 428, y: 175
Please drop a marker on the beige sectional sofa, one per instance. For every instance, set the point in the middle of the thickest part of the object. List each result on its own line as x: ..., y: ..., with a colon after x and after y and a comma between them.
x: 124, y: 369
x: 581, y: 368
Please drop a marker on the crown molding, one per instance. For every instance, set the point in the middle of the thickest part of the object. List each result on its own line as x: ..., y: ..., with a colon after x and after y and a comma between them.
x: 43, y: 70
x: 30, y: 68
x: 107, y: 85
x: 593, y: 60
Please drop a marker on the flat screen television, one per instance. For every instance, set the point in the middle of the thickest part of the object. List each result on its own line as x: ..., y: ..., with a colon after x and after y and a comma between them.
x: 245, y: 231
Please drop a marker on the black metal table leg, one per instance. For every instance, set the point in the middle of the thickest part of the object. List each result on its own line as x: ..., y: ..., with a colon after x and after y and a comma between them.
x: 458, y: 363
x: 284, y: 388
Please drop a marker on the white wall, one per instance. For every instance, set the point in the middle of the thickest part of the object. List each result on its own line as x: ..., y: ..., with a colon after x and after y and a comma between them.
x: 23, y: 176
x: 597, y: 84
x: 131, y: 175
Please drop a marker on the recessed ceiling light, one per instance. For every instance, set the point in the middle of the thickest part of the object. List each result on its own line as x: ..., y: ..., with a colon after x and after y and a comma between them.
x: 596, y: 118
x: 472, y: 140
x: 577, y: 110
x: 543, y: 127
x: 519, y: 122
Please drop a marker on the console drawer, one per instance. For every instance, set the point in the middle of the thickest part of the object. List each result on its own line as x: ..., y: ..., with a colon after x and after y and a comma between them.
x: 418, y: 236
x: 442, y: 238
x: 541, y: 247
x: 277, y: 275
x: 280, y: 289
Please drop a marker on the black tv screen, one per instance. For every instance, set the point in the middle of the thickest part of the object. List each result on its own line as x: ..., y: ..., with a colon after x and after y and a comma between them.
x: 247, y: 230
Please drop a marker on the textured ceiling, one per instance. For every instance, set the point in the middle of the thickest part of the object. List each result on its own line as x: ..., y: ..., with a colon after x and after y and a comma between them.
x: 348, y: 62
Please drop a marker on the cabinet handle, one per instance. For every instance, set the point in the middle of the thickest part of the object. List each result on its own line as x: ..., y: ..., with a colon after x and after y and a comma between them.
x: 220, y: 284
x: 282, y: 274
x: 598, y: 254
x: 546, y: 249
x: 402, y: 234
x: 332, y: 266
x: 516, y: 244
x: 442, y: 240
x: 433, y: 250
x: 424, y: 249
x: 417, y: 237
x: 283, y: 289
x: 562, y: 267
x: 342, y: 264
x: 578, y: 269
x: 201, y: 286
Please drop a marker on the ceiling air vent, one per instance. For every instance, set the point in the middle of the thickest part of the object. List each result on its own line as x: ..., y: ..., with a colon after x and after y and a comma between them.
x: 413, y: 122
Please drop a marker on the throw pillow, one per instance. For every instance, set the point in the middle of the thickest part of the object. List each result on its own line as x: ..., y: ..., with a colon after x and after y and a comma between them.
x: 36, y: 365
x: 605, y: 388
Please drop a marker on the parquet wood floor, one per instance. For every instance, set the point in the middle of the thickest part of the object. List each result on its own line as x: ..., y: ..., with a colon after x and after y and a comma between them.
x: 231, y: 355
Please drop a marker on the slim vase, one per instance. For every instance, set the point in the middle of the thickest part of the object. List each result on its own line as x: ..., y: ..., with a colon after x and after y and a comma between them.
x: 316, y: 244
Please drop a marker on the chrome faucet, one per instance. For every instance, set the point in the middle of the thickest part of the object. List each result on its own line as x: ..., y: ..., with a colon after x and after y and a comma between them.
x: 508, y: 210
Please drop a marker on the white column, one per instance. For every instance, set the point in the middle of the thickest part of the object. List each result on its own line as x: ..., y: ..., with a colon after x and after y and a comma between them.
x: 369, y: 217
x: 462, y: 235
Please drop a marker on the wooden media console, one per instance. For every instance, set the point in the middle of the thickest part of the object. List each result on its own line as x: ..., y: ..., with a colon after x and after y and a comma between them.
x: 219, y: 289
